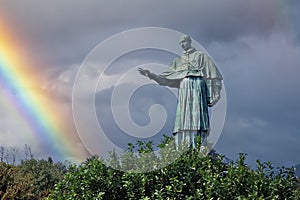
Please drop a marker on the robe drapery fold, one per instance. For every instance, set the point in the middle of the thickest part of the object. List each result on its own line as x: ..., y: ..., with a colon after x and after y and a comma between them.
x: 192, y: 108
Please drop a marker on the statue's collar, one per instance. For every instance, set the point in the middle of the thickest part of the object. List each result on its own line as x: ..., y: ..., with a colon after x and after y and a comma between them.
x: 189, y: 51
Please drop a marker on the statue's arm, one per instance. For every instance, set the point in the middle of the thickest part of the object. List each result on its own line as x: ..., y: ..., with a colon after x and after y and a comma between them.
x: 157, y: 78
x: 214, y: 87
x: 213, y: 79
x: 217, y: 86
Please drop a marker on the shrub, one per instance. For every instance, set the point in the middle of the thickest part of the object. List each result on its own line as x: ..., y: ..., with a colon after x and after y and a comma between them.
x: 190, y: 177
x: 32, y: 179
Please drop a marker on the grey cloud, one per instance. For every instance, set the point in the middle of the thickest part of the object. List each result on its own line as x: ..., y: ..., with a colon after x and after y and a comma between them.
x: 291, y: 14
x: 68, y: 30
x: 262, y: 117
x: 270, y: 142
x: 139, y: 57
x: 139, y: 105
x: 59, y: 82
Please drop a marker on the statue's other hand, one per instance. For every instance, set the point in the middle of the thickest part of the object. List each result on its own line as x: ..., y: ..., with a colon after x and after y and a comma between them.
x: 210, y: 102
x: 144, y: 72
x: 217, y: 97
x: 213, y: 101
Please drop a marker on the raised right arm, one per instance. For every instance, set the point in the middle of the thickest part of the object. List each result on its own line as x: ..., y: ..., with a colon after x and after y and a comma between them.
x: 157, y: 78
x: 145, y: 72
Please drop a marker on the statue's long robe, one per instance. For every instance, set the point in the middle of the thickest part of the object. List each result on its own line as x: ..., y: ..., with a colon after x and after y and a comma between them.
x: 195, y: 75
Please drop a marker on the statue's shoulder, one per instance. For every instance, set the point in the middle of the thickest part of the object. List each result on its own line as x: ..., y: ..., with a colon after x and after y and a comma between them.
x: 177, y: 60
x: 199, y: 53
x: 203, y: 55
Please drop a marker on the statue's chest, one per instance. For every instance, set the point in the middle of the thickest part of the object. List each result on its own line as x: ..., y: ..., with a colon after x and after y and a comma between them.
x: 190, y: 62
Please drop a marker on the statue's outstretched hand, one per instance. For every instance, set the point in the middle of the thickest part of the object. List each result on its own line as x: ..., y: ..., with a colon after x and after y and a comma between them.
x: 144, y: 72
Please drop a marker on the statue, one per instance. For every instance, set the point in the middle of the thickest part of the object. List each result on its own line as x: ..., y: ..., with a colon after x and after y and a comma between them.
x: 199, y: 84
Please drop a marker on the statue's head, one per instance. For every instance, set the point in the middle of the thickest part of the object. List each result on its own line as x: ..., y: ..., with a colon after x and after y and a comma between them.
x: 185, y: 42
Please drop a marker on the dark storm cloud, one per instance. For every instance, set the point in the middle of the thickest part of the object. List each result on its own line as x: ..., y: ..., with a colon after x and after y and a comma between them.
x: 139, y: 106
x: 209, y: 21
x: 262, y: 116
x: 292, y: 14
x: 68, y: 30
x: 139, y: 57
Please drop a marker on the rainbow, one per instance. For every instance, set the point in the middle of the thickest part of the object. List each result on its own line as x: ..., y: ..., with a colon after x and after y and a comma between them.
x: 19, y: 84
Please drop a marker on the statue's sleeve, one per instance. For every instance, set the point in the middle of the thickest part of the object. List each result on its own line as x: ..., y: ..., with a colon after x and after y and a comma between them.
x: 210, y: 69
x: 213, y: 79
x: 167, y: 78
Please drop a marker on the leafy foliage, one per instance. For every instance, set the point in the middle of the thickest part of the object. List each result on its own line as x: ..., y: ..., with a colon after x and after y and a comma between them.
x: 32, y: 179
x: 191, y: 176
x: 141, y: 174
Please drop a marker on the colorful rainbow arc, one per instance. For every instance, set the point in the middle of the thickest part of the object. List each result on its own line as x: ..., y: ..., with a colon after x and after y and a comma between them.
x: 34, y: 108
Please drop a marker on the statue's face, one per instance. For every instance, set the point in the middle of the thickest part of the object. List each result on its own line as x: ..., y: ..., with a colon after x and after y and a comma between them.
x: 185, y: 43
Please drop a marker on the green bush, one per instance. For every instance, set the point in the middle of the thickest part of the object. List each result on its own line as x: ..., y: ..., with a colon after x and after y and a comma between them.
x: 191, y: 176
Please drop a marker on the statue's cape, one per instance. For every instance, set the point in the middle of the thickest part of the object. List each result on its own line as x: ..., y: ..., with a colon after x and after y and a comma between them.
x: 198, y: 64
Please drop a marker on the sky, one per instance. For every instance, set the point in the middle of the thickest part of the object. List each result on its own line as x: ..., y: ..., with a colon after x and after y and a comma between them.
x: 255, y: 44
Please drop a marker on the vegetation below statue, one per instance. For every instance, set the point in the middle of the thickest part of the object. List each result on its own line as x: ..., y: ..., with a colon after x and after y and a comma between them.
x: 190, y: 177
